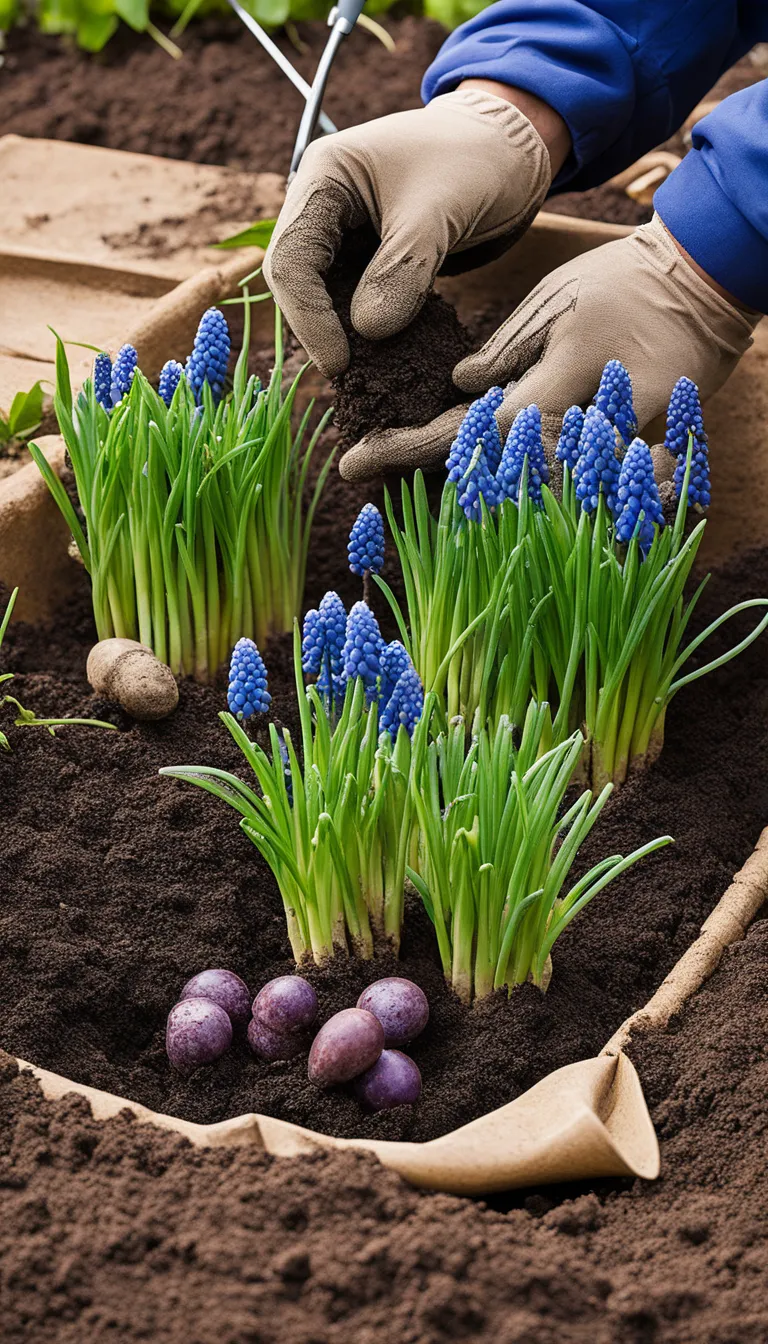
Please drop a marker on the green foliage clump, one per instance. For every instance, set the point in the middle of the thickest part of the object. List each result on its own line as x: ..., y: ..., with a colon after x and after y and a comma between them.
x: 195, y: 529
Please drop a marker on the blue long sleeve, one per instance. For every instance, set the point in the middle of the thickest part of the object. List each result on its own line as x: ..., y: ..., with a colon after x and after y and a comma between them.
x: 624, y: 74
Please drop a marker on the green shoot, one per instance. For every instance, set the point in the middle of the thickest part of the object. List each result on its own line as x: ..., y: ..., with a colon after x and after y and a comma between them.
x: 496, y: 849
x: 545, y: 603
x: 332, y: 820
x: 195, y: 528
x: 26, y: 718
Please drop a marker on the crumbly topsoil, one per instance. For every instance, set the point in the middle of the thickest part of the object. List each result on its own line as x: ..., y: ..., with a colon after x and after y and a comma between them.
x: 405, y: 379
x: 119, y: 885
x: 226, y: 102
x: 118, y: 1231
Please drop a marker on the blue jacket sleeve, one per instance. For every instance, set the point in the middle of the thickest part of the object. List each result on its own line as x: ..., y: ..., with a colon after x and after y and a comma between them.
x: 716, y: 202
x: 624, y: 74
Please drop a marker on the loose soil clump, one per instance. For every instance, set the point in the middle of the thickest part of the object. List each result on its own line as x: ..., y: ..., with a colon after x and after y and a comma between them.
x: 404, y: 379
x: 119, y: 886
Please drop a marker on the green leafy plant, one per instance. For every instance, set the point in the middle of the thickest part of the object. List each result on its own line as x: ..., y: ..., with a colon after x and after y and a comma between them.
x: 91, y: 22
x: 24, y: 416
x: 195, y: 528
x: 255, y: 235
x: 497, y: 846
x: 334, y: 824
x: 516, y: 596
x: 25, y: 718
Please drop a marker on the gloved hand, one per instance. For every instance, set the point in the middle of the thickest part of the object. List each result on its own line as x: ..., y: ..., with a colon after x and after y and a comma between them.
x: 466, y: 169
x: 636, y: 299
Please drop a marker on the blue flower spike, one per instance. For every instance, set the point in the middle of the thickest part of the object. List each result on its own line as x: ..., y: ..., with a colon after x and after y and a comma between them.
x: 477, y: 486
x: 567, y: 450
x: 684, y: 418
x: 247, y: 692
x: 102, y: 380
x: 597, y: 468
x: 363, y: 647
x: 123, y: 372
x: 333, y: 618
x: 312, y: 643
x: 405, y: 705
x: 478, y: 425
x: 523, y: 441
x: 394, y: 662
x: 170, y: 377
x: 366, y: 542
x: 614, y: 399
x: 638, y: 494
x: 210, y: 355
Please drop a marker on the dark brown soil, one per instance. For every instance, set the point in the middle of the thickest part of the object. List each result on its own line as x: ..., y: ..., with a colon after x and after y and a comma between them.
x: 404, y: 380
x: 117, y: 1231
x: 225, y: 102
x: 119, y: 886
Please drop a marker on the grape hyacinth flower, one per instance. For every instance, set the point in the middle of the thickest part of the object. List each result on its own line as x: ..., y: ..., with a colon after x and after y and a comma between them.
x: 684, y: 418
x: 210, y: 355
x: 567, y: 450
x: 333, y: 620
x: 475, y: 454
x: 394, y: 662
x: 312, y: 643
x: 170, y: 376
x: 405, y: 704
x: 102, y: 380
x: 366, y: 542
x: 123, y: 371
x: 477, y: 484
x: 638, y: 493
x: 247, y: 692
x: 614, y: 399
x: 523, y: 441
x: 363, y: 648
x: 597, y: 469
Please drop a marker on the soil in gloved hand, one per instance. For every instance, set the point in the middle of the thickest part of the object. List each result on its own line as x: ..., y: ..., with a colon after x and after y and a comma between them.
x: 404, y: 379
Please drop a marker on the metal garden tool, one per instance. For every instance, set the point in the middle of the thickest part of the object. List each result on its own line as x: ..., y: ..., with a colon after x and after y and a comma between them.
x: 341, y: 21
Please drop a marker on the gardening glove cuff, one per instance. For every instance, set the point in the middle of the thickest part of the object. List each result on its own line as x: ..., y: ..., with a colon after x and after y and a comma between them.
x: 637, y: 300
x: 467, y: 170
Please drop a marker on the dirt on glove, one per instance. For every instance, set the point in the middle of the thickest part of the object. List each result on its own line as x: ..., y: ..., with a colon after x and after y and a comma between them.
x: 404, y: 379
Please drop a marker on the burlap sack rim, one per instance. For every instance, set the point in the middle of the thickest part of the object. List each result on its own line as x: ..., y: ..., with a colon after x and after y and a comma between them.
x: 585, y: 1120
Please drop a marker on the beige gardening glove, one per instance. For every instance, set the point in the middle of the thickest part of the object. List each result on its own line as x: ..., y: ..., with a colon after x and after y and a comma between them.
x: 466, y: 170
x: 637, y: 300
